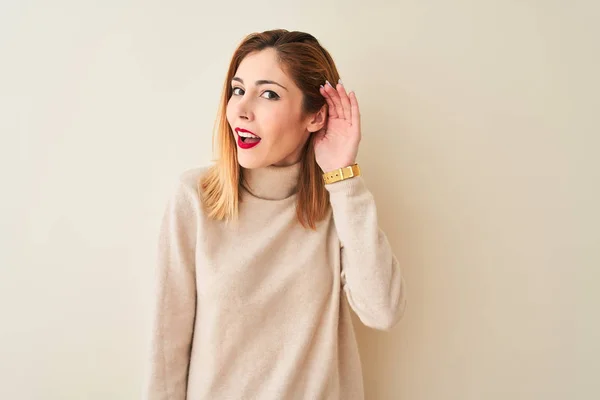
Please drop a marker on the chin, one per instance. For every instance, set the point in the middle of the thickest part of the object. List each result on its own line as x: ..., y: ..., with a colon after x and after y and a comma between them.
x: 250, y: 164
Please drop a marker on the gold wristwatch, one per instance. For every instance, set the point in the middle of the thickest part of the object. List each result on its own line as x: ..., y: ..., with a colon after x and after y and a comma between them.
x: 341, y: 173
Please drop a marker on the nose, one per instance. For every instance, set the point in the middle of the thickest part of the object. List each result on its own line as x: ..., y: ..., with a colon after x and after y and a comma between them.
x: 244, y: 115
x: 244, y: 109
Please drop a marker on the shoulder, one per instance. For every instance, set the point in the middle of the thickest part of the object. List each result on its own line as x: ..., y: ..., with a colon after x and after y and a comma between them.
x: 190, y: 178
x: 184, y: 188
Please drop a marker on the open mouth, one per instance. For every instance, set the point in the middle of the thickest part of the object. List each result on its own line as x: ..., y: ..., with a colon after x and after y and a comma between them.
x: 250, y: 140
x: 246, y: 139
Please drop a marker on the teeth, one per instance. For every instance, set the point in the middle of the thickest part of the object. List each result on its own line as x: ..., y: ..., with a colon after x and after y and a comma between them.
x: 248, y: 135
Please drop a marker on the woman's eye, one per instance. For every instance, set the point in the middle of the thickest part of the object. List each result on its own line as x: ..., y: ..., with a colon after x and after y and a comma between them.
x: 274, y: 96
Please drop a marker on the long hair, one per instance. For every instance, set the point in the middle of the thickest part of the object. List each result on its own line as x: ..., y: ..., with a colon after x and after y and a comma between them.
x: 308, y: 64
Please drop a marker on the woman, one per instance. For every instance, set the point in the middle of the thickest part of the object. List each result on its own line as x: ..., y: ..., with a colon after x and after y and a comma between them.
x: 257, y: 251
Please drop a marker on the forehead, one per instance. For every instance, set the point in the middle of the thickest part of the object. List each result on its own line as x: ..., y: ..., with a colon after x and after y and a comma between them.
x: 261, y: 65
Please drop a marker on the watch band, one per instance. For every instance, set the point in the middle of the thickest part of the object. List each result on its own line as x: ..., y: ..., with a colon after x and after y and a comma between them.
x: 341, y: 173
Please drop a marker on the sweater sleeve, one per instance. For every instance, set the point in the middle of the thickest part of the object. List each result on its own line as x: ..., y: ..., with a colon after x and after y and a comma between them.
x: 175, y: 298
x: 370, y: 272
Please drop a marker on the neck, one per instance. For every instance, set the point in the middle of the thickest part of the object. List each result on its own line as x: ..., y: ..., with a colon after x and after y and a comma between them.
x: 271, y: 182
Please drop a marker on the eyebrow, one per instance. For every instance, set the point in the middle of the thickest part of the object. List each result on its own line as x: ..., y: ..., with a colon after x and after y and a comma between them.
x: 259, y: 82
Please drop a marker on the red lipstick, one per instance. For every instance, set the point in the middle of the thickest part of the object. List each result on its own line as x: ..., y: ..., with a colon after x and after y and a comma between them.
x: 246, y: 145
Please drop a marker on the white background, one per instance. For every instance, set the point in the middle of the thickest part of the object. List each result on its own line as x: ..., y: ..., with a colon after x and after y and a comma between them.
x: 480, y: 144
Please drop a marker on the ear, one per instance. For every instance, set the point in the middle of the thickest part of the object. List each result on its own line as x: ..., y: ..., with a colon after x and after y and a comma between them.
x: 318, y: 120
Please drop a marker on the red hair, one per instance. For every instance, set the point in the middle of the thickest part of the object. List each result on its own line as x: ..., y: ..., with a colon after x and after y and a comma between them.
x: 308, y: 64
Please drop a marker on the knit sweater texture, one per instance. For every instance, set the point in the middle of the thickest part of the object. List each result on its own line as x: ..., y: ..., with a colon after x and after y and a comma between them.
x: 261, y: 308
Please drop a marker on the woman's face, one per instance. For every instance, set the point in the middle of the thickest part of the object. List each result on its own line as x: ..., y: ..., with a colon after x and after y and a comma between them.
x: 271, y: 110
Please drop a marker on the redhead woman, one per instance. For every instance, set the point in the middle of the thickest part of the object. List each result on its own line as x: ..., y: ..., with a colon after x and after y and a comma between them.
x: 264, y: 254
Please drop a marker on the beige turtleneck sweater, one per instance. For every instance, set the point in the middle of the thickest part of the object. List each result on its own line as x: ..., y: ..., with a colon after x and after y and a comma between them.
x: 261, y: 309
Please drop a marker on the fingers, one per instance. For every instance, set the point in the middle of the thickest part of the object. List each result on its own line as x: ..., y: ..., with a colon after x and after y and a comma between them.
x: 340, y: 104
x: 334, y: 96
x: 354, y: 109
x: 345, y: 101
x: 331, y: 106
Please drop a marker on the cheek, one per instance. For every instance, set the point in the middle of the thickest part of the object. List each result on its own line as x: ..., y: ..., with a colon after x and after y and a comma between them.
x: 229, y: 112
x: 280, y: 125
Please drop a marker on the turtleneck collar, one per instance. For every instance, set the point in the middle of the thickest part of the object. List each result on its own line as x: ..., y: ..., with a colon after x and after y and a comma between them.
x: 272, y: 182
